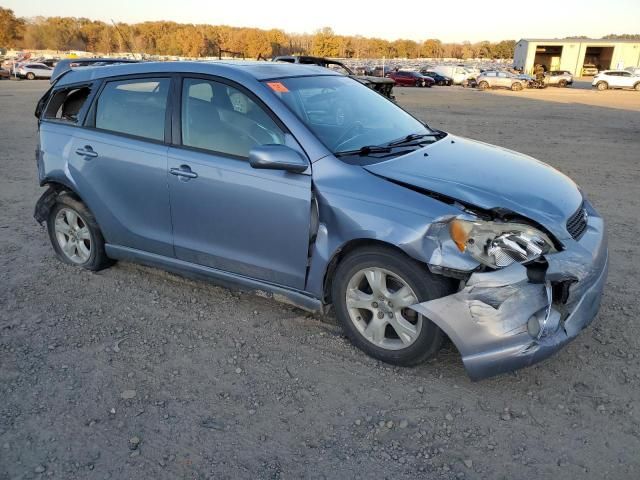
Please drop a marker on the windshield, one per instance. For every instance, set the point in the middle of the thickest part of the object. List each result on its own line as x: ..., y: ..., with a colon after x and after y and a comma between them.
x: 344, y: 114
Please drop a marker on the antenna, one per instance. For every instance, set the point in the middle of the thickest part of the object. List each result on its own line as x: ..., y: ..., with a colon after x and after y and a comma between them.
x: 126, y: 42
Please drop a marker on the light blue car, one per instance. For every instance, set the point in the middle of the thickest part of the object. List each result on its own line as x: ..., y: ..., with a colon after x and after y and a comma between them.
x: 305, y: 185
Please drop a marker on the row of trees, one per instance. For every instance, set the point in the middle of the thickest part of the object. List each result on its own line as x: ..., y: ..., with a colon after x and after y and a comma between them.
x: 170, y: 38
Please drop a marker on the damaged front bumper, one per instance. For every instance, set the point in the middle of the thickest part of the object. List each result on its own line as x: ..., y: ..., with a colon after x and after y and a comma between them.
x: 492, y: 320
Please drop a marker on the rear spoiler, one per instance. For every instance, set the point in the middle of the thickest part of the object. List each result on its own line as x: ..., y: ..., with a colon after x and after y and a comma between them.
x: 66, y: 65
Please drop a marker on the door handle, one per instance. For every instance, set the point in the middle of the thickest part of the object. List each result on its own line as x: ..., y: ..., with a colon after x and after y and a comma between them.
x: 87, y: 151
x: 184, y: 171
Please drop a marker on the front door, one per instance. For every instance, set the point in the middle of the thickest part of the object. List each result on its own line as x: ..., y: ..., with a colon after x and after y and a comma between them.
x: 226, y: 214
x: 120, y: 164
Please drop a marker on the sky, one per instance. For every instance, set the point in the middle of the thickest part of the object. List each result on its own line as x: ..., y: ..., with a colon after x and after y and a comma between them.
x: 447, y: 20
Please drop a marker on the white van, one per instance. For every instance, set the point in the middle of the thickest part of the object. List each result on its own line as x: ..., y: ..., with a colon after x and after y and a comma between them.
x: 454, y: 72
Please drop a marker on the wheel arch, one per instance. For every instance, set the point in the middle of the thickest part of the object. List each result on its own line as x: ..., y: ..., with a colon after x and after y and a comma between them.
x: 48, y: 198
x: 340, y: 253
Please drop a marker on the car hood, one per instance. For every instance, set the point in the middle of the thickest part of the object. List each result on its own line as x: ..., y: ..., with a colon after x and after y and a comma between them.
x: 372, y: 79
x: 488, y: 177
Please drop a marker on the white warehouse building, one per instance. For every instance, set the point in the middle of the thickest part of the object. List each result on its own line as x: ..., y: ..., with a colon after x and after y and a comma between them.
x: 572, y: 53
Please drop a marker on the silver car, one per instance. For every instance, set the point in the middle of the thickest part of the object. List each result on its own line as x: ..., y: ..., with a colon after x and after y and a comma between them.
x: 497, y: 79
x: 31, y: 71
x: 559, y: 78
x: 304, y: 185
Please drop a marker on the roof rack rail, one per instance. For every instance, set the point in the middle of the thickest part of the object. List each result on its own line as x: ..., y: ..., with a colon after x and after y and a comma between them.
x: 67, y: 64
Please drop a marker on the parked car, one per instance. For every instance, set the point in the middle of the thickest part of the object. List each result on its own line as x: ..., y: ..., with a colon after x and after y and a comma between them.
x: 456, y: 73
x: 408, y: 78
x: 589, y: 70
x: 4, y: 74
x: 499, y: 79
x: 32, y: 71
x: 616, y: 79
x: 67, y: 64
x: 305, y: 185
x: 382, y: 85
x: 559, y: 78
x: 440, y: 80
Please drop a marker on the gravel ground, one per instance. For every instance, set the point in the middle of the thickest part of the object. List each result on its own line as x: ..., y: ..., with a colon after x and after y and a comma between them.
x: 135, y: 373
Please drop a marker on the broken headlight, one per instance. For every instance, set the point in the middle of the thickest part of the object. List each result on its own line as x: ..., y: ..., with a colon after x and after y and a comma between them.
x: 498, y: 245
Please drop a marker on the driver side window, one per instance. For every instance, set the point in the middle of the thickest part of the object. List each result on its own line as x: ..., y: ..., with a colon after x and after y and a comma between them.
x: 223, y: 119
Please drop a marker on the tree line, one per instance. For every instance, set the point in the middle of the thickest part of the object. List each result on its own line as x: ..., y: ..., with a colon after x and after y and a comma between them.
x: 173, y: 39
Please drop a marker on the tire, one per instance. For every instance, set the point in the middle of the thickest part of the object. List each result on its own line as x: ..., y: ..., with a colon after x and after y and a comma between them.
x: 602, y: 86
x: 636, y: 87
x: 562, y: 83
x: 424, y: 339
x: 84, y: 239
x: 516, y: 87
x: 483, y: 85
x: 31, y: 76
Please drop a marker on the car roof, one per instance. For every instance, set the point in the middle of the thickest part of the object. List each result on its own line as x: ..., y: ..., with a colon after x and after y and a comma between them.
x: 249, y: 69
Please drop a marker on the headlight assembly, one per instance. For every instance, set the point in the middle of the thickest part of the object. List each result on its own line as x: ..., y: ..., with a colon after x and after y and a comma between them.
x: 497, y: 244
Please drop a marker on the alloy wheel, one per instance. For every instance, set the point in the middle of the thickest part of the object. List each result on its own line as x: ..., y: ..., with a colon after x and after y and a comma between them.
x: 73, y: 236
x: 377, y: 301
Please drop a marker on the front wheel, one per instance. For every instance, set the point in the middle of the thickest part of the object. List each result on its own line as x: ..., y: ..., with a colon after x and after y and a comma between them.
x: 75, y: 235
x: 562, y: 83
x: 602, y: 86
x: 636, y: 87
x: 516, y: 87
x: 483, y: 85
x: 372, y: 291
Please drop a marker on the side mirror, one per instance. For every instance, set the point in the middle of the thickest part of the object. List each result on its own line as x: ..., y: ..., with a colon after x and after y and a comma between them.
x: 277, y: 157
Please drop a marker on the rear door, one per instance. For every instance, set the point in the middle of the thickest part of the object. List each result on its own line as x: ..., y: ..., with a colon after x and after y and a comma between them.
x: 226, y: 214
x: 627, y: 80
x: 503, y: 80
x: 119, y: 163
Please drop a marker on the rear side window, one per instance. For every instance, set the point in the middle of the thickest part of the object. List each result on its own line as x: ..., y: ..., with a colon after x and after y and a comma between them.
x: 134, y: 107
x: 66, y: 104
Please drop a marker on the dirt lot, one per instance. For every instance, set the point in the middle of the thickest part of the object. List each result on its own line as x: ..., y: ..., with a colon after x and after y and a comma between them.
x: 135, y: 373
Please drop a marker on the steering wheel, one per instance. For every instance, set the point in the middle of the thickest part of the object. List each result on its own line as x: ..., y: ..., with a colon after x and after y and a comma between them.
x: 347, y: 135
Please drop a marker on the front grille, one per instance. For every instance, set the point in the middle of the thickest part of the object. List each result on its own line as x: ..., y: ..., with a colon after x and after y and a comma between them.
x: 577, y: 223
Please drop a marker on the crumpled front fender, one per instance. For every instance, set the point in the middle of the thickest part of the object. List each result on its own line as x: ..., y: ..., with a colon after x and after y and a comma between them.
x: 488, y: 319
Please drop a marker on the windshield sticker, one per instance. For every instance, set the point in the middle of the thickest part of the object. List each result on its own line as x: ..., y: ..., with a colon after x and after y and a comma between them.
x: 277, y: 87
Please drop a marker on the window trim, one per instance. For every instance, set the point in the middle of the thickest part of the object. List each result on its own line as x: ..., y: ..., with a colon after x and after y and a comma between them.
x: 90, y: 119
x: 82, y: 114
x: 176, y: 118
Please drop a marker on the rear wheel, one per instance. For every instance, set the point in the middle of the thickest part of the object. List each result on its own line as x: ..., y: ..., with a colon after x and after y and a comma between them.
x: 517, y: 86
x: 372, y: 291
x: 75, y: 235
x: 562, y: 83
x: 483, y: 85
x: 602, y: 86
x: 31, y: 76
